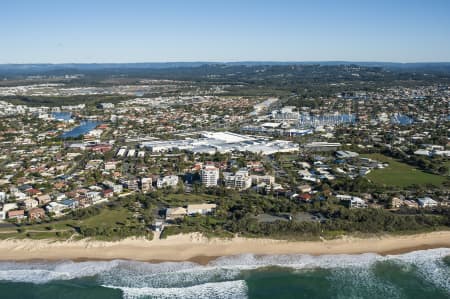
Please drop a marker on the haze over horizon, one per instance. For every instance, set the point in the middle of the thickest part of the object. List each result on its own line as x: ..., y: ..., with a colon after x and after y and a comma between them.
x: 205, y: 31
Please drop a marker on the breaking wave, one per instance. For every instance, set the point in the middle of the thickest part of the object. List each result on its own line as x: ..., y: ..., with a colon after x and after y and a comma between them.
x: 225, y: 276
x: 225, y: 290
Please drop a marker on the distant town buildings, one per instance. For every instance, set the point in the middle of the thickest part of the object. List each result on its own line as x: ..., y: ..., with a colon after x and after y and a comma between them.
x: 222, y: 142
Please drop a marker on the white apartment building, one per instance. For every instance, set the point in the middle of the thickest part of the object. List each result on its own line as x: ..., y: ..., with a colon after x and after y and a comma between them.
x: 209, y: 175
x: 266, y: 179
x: 240, y: 180
x: 167, y: 181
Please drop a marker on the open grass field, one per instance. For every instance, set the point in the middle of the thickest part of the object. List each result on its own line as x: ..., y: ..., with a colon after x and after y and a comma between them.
x: 183, y: 199
x: 64, y: 229
x: 107, y: 218
x: 400, y: 174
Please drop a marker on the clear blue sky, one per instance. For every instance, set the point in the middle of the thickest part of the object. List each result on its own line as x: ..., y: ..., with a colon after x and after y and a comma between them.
x: 40, y: 31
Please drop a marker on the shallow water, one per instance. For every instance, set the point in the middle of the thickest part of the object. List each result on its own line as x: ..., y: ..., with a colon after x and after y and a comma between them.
x: 420, y: 274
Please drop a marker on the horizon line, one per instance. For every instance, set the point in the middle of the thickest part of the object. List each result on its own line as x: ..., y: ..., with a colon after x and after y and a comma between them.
x: 231, y: 62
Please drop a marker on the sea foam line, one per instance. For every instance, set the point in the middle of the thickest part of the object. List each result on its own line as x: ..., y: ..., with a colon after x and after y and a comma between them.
x: 133, y: 274
x: 236, y: 289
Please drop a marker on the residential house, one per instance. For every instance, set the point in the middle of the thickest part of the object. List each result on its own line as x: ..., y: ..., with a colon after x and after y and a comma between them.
x: 167, y: 181
x: 43, y: 199
x: 110, y: 165
x: 55, y: 207
x: 146, y: 184
x: 267, y: 179
x: 117, y: 188
x: 16, y: 214
x: 70, y: 203
x: 6, y: 207
x: 304, y: 188
x: 36, y: 213
x: 427, y: 202
x: 396, y: 202
x: 108, y: 193
x: 175, y: 213
x: 30, y: 203
x: 130, y: 184
x: 94, y: 196
x: 201, y: 209
x: 305, y: 197
x: 411, y: 204
x: 352, y: 201
x: 33, y: 192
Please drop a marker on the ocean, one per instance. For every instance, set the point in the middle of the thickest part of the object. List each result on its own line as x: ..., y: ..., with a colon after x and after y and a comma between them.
x: 419, y: 274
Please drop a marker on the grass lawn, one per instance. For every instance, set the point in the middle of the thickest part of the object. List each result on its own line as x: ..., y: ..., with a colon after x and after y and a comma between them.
x: 288, y: 158
x: 401, y: 174
x: 108, y: 218
x: 183, y: 199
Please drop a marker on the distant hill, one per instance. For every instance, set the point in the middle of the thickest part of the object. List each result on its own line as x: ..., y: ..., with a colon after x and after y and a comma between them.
x: 35, y: 69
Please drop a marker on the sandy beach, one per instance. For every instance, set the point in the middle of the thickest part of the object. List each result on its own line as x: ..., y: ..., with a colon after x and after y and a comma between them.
x: 197, y: 248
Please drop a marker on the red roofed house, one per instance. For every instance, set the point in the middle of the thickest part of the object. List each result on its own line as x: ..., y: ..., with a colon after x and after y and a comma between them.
x: 33, y: 192
x: 102, y: 127
x: 305, y: 197
x: 16, y: 214
x: 101, y: 148
x: 108, y: 193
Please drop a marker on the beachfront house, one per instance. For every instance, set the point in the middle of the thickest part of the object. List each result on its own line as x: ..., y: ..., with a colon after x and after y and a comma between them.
x: 30, y: 203
x: 175, y: 213
x: 201, y: 209
x: 56, y: 208
x: 36, y: 213
x: 43, y: 199
x: 16, y: 214
x: 6, y: 207
x: 427, y: 202
x: 352, y: 201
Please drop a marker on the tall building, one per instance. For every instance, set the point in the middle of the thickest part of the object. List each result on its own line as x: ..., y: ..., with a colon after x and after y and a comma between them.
x: 240, y: 180
x: 209, y: 175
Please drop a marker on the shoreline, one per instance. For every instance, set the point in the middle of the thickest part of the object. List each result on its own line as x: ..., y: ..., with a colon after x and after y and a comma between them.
x: 199, y: 249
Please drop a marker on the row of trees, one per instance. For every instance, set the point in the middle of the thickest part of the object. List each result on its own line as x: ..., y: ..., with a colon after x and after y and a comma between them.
x: 236, y: 214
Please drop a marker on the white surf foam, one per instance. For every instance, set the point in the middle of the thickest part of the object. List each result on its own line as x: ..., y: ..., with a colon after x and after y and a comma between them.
x: 147, y: 276
x: 236, y: 289
x: 429, y: 264
x: 357, y: 282
x: 138, y: 275
x: 45, y: 272
x: 303, y: 261
x: 296, y: 261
